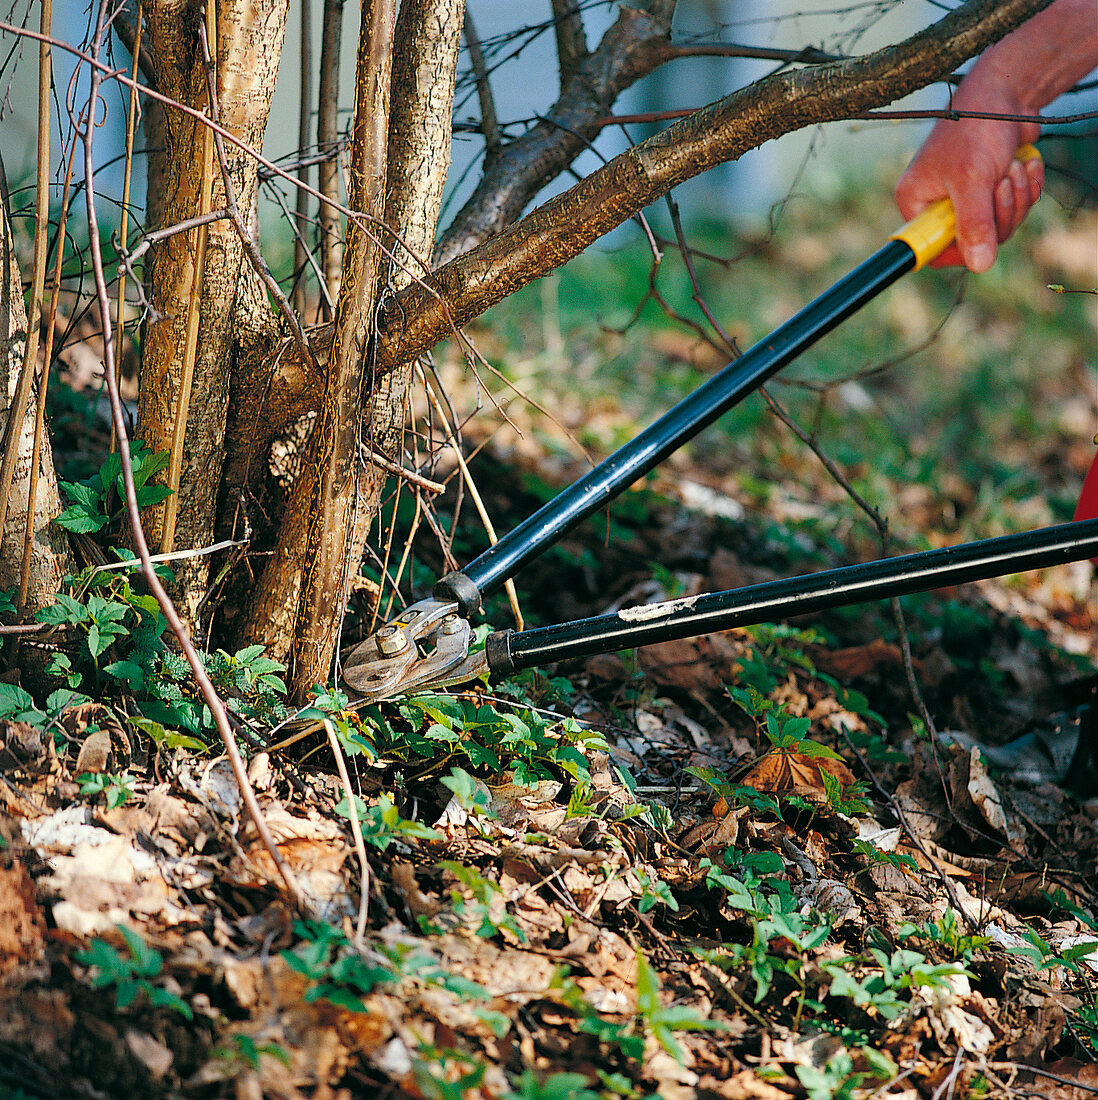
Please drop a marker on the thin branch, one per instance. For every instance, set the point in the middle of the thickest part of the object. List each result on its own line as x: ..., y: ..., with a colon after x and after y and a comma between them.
x: 892, y: 116
x: 356, y: 827
x: 378, y: 459
x: 305, y: 97
x: 629, y: 49
x: 571, y: 39
x: 327, y: 140
x: 489, y: 125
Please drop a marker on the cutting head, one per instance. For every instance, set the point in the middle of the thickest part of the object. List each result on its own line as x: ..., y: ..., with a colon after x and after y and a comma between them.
x: 426, y: 646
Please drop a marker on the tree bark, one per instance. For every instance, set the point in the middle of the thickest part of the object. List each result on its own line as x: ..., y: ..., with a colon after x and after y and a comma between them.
x: 425, y: 56
x: 49, y: 551
x: 429, y: 310
x: 249, y: 46
x: 548, y: 237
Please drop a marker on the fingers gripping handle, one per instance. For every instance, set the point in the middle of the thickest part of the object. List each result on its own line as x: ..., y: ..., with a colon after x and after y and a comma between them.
x: 930, y: 233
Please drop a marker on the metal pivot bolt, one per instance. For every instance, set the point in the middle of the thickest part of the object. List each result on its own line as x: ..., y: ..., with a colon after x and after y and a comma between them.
x: 391, y: 641
x: 451, y: 624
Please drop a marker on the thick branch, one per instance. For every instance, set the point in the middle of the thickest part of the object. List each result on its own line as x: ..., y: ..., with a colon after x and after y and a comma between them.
x: 332, y: 455
x: 554, y: 233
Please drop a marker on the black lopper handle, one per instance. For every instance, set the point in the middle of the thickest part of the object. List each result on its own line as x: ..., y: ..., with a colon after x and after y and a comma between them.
x: 915, y: 244
x: 706, y: 404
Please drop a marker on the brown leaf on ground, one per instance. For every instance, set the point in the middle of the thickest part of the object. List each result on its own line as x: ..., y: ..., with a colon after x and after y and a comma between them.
x: 22, y: 927
x: 857, y: 662
x: 25, y: 748
x: 1070, y: 1080
x: 784, y: 769
x: 106, y: 748
x: 690, y: 664
x: 743, y: 1085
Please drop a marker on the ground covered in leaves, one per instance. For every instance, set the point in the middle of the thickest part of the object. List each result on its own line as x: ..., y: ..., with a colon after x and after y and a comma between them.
x: 803, y: 859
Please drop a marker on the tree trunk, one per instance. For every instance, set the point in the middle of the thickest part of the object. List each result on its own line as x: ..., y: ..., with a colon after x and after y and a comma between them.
x: 48, y: 551
x: 424, y: 69
x: 248, y: 49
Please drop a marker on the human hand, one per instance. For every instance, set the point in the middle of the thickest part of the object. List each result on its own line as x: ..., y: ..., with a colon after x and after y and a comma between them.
x: 972, y: 162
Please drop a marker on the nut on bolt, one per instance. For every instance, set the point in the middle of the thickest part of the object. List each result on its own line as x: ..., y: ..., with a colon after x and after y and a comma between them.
x: 391, y: 641
x: 451, y: 624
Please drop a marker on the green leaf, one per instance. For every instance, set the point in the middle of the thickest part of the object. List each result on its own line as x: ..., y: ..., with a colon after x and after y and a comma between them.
x: 151, y: 494
x: 14, y: 701
x: 80, y: 521
x: 63, y: 610
x: 464, y: 788
x: 807, y: 747
x: 170, y: 739
x: 132, y: 674
x: 58, y: 700
x: 145, y: 463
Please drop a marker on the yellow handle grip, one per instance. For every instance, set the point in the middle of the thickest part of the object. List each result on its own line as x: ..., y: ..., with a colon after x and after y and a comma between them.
x: 930, y: 233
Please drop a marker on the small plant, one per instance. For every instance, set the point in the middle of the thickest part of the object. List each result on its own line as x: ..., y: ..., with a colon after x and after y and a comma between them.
x: 557, y: 1086
x: 443, y: 1073
x: 336, y: 972
x: 132, y: 975
x: 870, y: 852
x: 243, y: 1052
x: 1046, y: 957
x: 381, y: 823
x: 775, y: 651
x: 654, y: 891
x: 115, y: 789
x: 835, y: 1080
x: 777, y: 925
x: 947, y: 934
x: 100, y: 499
x: 484, y: 907
x: 884, y: 990
x: 662, y: 1022
x: 736, y: 794
x: 620, y: 1035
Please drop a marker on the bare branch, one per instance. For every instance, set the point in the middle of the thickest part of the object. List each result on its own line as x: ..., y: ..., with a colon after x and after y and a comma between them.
x: 489, y: 125
x: 305, y: 99
x: 562, y: 228
x: 571, y: 39
x: 327, y: 140
x: 630, y: 49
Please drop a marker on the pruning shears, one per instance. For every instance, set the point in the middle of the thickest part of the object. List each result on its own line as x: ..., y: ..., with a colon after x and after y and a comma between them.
x: 428, y: 644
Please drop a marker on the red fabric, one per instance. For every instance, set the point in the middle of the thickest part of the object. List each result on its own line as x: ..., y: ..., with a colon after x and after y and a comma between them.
x: 1087, y: 508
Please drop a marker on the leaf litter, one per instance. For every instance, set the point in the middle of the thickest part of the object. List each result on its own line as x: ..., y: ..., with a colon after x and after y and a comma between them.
x: 706, y: 897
